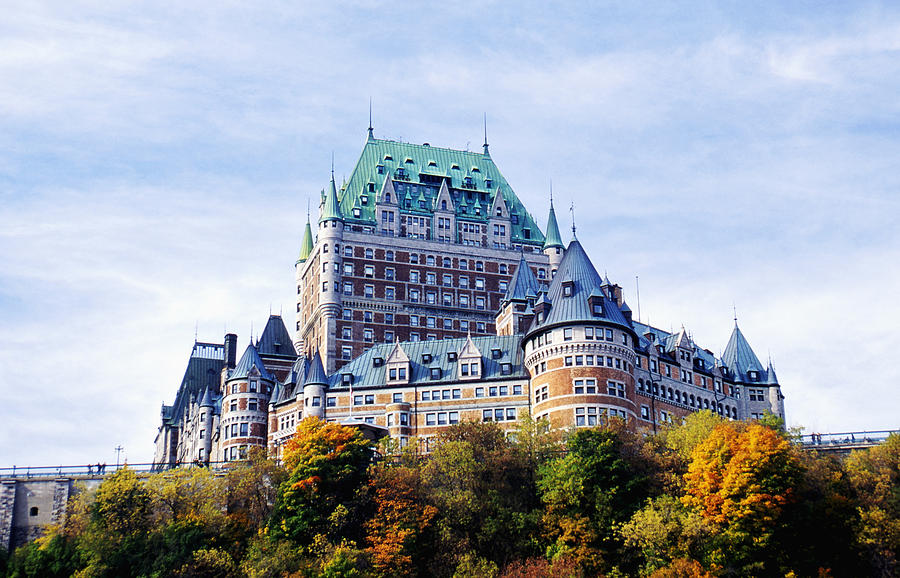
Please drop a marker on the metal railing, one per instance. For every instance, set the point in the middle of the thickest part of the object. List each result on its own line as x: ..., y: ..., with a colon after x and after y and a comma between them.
x: 96, y: 470
x: 846, y: 439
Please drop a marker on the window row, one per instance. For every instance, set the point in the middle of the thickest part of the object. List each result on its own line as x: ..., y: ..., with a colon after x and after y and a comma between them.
x: 438, y: 394
x: 442, y: 418
x: 402, y: 418
x: 499, y: 414
x: 498, y: 390
x: 589, y: 416
x: 589, y: 360
x: 236, y: 430
x: 688, y: 399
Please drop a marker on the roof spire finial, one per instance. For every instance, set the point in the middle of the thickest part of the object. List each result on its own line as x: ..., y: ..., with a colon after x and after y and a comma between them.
x: 196, y: 329
x: 307, y: 209
x: 371, y: 135
x: 486, y: 151
x: 572, y: 210
x: 551, y: 192
x: 332, y: 166
x: 734, y: 307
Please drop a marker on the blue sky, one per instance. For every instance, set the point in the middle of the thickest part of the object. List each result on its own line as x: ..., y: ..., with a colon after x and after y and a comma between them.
x: 156, y: 161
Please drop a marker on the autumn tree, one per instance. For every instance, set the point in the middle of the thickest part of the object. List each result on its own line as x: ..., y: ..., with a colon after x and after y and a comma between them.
x: 740, y: 480
x: 327, y: 465
x: 396, y: 531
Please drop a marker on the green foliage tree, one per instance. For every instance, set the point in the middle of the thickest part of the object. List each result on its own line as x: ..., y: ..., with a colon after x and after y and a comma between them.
x: 875, y: 475
x: 664, y: 531
x: 601, y: 481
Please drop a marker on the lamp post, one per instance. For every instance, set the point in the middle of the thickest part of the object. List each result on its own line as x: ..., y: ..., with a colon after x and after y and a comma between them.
x: 118, y: 449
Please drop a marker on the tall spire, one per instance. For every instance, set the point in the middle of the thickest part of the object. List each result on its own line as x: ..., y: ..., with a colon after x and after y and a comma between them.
x: 487, y: 152
x: 552, y: 238
x: 572, y: 210
x: 371, y: 136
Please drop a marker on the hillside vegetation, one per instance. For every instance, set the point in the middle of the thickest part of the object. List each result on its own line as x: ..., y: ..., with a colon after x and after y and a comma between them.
x: 707, y: 498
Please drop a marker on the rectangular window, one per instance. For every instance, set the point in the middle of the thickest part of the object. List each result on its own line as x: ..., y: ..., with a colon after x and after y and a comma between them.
x: 517, y: 390
x: 357, y: 400
x: 370, y: 399
x: 479, y: 392
x: 244, y: 432
x: 567, y: 334
x: 568, y: 361
x: 348, y: 288
x: 331, y: 401
x: 369, y: 291
x: 588, y: 333
x: 492, y: 391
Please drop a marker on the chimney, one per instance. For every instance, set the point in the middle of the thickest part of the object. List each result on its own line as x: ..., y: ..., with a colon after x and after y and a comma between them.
x: 230, y: 350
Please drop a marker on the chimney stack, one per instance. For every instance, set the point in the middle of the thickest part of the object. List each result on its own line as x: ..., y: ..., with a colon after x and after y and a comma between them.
x: 230, y: 350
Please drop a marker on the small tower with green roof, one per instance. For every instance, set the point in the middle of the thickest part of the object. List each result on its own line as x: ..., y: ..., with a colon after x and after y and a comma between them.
x: 553, y: 245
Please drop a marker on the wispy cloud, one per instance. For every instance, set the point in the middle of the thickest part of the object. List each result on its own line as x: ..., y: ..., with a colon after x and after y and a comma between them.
x: 155, y: 165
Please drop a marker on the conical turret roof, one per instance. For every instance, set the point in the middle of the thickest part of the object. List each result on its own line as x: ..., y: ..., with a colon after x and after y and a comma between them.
x: 581, y: 282
x: 552, y: 238
x: 771, y: 378
x: 206, y: 400
x: 316, y: 374
x: 524, y: 284
x: 739, y: 356
x: 332, y: 209
x: 248, y: 361
x: 306, y: 245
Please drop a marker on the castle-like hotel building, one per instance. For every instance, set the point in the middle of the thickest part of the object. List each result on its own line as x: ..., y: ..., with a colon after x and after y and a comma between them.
x: 426, y: 296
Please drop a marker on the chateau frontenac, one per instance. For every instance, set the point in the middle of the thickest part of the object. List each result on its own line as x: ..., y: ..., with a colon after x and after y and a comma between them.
x: 427, y: 295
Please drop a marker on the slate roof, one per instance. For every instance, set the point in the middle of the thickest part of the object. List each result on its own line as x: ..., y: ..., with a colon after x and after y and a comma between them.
x: 553, y: 238
x: 664, y: 338
x: 293, y: 384
x: 366, y: 374
x: 577, y: 267
x: 316, y: 374
x: 248, y: 361
x: 275, y: 339
x: 524, y: 284
x: 739, y: 358
x: 203, y: 372
x: 416, y: 160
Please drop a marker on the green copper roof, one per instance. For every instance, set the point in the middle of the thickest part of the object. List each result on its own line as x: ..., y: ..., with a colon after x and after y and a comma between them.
x: 332, y: 209
x: 553, y: 238
x: 306, y: 246
x: 417, y: 171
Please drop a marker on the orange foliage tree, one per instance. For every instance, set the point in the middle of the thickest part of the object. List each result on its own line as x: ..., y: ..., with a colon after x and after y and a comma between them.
x: 327, y: 464
x: 741, y: 479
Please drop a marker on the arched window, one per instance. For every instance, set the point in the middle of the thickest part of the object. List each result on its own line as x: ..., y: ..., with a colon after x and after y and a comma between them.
x: 444, y: 205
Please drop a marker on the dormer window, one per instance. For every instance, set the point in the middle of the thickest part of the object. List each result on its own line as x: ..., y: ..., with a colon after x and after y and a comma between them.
x: 505, y: 368
x: 379, y: 169
x: 377, y: 362
x: 426, y: 358
x: 346, y: 378
x: 488, y: 183
x: 568, y: 287
x: 454, y: 166
x: 364, y: 199
x: 752, y: 375
x: 388, y: 158
x: 357, y: 212
x: 475, y: 170
x: 435, y: 373
x: 496, y: 353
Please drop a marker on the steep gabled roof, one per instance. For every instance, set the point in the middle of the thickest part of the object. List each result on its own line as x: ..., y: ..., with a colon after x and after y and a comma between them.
x: 577, y: 272
x: 203, y: 372
x: 248, y: 361
x: 524, y: 284
x: 275, y: 339
x: 739, y: 358
x: 383, y: 159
